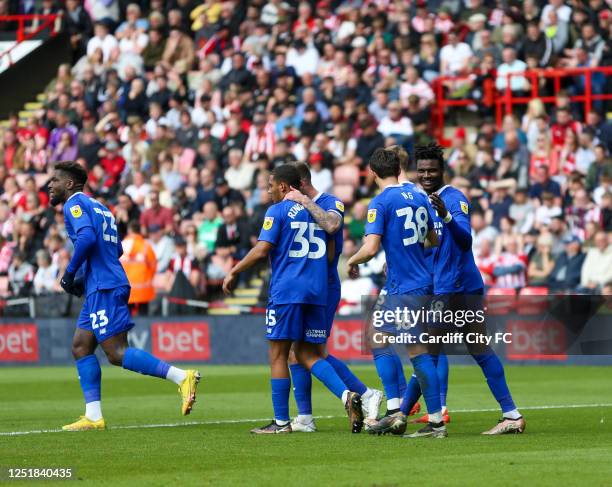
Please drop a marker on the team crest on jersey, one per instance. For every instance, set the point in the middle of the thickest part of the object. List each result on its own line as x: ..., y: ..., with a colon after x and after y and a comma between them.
x: 76, y: 211
x: 340, y: 205
x: 371, y: 216
x: 268, y: 221
x: 464, y: 207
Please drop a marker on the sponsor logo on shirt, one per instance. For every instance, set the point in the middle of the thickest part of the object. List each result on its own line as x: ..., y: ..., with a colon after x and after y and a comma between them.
x: 371, y: 216
x: 340, y: 205
x: 268, y: 221
x: 464, y: 207
x: 76, y: 211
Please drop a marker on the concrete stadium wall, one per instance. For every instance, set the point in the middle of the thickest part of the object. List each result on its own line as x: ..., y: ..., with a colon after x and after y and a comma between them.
x: 210, y: 339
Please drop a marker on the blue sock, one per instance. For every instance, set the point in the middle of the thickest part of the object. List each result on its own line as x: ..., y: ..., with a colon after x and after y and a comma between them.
x: 280, y: 398
x: 144, y: 363
x: 401, y: 378
x: 493, y: 370
x: 442, y: 368
x: 387, y: 371
x: 302, y: 388
x: 351, y: 380
x: 90, y: 377
x: 323, y: 371
x: 427, y: 376
x: 411, y: 395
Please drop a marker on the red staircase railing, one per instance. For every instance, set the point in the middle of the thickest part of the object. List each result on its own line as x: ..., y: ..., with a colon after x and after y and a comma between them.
x: 504, y: 101
x: 50, y: 21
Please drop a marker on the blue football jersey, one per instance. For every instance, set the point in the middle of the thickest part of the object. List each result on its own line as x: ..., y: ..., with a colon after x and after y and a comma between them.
x: 330, y: 203
x: 102, y: 269
x: 299, y: 256
x: 403, y: 217
x: 429, y: 251
x: 454, y: 267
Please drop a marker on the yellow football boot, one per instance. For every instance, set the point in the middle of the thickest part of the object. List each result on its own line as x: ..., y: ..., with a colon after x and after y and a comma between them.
x: 187, y: 390
x: 84, y: 424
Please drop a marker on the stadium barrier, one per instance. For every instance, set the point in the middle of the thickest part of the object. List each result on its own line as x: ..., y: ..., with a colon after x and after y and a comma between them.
x: 503, y: 102
x: 240, y: 339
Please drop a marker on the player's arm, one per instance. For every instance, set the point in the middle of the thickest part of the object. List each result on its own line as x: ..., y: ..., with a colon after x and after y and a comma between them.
x: 432, y: 239
x: 260, y: 251
x: 456, y: 220
x: 370, y: 247
x: 83, y: 245
x: 329, y: 221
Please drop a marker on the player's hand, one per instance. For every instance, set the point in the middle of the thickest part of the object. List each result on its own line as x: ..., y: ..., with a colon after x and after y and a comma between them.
x: 353, y: 271
x: 67, y: 282
x: 294, y: 195
x: 229, y: 283
x: 438, y: 205
x: 78, y: 287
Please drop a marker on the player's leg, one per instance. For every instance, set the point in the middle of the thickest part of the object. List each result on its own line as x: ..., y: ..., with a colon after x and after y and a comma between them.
x: 310, y: 353
x: 302, y: 391
x: 90, y: 377
x: 427, y: 376
x: 493, y: 370
x: 111, y: 333
x: 280, y: 384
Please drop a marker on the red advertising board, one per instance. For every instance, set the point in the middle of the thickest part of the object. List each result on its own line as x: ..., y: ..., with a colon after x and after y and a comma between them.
x: 181, y: 341
x: 345, y: 341
x: 536, y: 340
x: 18, y: 343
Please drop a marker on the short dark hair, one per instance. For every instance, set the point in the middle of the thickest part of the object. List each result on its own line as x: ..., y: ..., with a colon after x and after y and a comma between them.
x: 431, y: 151
x: 402, y: 156
x: 133, y: 226
x: 384, y: 163
x: 74, y: 170
x: 303, y: 170
x: 287, y: 174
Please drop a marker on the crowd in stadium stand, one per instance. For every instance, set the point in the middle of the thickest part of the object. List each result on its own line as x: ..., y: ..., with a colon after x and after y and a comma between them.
x: 179, y: 109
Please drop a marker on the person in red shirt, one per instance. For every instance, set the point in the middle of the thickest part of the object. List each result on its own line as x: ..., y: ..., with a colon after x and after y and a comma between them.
x: 559, y: 129
x: 112, y: 163
x: 156, y: 215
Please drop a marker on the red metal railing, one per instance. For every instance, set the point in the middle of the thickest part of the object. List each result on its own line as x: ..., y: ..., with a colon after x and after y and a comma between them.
x: 504, y: 101
x: 50, y: 22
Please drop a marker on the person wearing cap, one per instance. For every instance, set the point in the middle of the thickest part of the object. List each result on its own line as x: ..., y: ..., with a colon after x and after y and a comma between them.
x: 140, y: 264
x: 565, y: 275
x: 224, y: 195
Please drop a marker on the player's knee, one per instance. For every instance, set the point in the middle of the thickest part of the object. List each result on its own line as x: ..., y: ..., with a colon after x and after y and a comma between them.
x: 115, y: 356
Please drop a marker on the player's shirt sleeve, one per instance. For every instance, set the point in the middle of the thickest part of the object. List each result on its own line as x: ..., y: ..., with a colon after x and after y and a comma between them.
x: 430, y: 212
x: 75, y: 215
x: 459, y: 226
x: 271, y: 228
x: 336, y: 206
x: 375, y: 219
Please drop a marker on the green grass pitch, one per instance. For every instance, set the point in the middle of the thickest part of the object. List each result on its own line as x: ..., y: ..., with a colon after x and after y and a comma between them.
x: 569, y: 443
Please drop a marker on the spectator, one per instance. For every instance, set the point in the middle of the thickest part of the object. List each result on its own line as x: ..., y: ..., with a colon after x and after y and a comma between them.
x: 162, y: 245
x: 597, y: 268
x: 21, y: 275
x: 233, y: 233
x: 224, y: 195
x: 183, y: 262
x: 140, y: 264
x: 509, y: 267
x: 156, y: 216
x: 209, y: 227
x: 511, y: 66
x: 454, y: 56
x: 103, y: 40
x: 46, y: 274
x: 542, y: 262
x: 239, y: 175
x: 565, y: 275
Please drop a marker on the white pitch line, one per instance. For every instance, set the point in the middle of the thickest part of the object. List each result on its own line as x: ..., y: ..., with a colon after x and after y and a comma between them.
x: 254, y: 420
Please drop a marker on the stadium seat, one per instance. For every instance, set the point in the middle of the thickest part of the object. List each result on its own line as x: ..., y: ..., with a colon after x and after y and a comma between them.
x: 533, y: 300
x: 500, y: 301
x: 345, y: 193
x: 347, y: 174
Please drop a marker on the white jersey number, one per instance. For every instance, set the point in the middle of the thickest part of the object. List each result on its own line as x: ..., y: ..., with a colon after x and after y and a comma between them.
x: 108, y: 237
x: 305, y: 244
x: 418, y: 225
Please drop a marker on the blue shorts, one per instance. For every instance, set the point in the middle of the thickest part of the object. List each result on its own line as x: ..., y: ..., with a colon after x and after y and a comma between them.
x: 418, y: 299
x: 105, y: 312
x: 333, y: 298
x: 296, y: 322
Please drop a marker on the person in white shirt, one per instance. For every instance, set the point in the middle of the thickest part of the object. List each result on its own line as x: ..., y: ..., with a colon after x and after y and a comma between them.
x: 103, y: 40
x: 139, y: 188
x: 44, y: 279
x: 396, y: 124
x: 303, y: 58
x: 322, y: 178
x: 564, y: 12
x: 455, y: 56
x: 597, y: 267
x: 511, y: 65
x: 415, y: 86
x: 239, y: 175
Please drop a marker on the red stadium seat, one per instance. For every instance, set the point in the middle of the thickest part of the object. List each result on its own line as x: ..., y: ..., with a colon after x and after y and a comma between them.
x: 532, y: 300
x: 347, y: 174
x: 534, y: 291
x: 500, y: 301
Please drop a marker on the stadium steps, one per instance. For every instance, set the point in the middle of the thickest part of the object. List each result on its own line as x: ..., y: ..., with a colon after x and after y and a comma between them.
x: 223, y: 311
x: 257, y: 282
x: 29, y: 110
x: 247, y: 293
x: 248, y: 301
